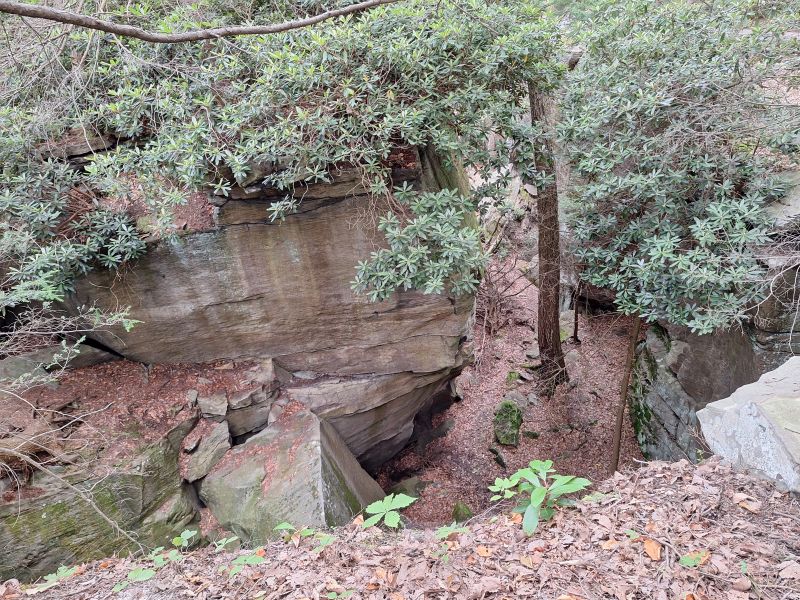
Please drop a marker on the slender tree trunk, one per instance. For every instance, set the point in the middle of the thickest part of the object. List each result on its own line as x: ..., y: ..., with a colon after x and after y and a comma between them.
x: 623, y: 394
x: 553, y: 369
x: 575, y: 299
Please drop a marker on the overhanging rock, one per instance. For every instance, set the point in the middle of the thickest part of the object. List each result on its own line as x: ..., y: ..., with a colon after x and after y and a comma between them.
x: 758, y: 426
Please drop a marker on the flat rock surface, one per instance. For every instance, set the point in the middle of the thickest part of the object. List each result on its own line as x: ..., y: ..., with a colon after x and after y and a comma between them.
x: 297, y: 470
x: 625, y: 545
x: 758, y: 426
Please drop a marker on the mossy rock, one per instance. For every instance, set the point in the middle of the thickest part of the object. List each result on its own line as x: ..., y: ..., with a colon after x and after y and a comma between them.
x: 507, y: 422
x: 462, y: 512
x: 145, y: 496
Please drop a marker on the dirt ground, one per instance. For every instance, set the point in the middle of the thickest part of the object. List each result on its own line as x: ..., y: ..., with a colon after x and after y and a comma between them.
x: 574, y: 428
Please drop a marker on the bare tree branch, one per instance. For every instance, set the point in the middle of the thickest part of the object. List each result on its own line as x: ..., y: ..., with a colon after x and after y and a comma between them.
x: 63, y: 16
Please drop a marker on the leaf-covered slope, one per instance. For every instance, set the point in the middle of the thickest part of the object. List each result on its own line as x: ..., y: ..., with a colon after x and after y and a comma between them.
x: 663, y: 531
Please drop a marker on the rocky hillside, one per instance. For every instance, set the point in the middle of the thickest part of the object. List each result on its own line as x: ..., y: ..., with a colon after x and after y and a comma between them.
x: 255, y: 386
x: 664, y: 531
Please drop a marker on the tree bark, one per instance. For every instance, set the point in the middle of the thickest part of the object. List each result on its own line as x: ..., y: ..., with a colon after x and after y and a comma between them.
x: 88, y: 22
x: 553, y: 370
x: 623, y: 394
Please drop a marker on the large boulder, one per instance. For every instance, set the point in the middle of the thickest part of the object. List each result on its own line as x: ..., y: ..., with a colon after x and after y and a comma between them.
x: 144, y: 496
x: 249, y: 287
x: 676, y: 374
x: 758, y: 426
x: 297, y: 470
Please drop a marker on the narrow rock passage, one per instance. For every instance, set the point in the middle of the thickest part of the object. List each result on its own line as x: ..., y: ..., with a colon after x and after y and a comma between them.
x: 574, y: 428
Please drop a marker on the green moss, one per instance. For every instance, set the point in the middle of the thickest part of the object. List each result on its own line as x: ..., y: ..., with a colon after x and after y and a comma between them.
x: 462, y: 512
x: 662, y: 334
x: 507, y: 421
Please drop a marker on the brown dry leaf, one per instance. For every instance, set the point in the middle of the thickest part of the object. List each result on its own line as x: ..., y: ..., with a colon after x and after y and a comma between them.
x: 753, y: 506
x: 516, y: 518
x: 790, y: 570
x: 483, y: 551
x: 650, y: 527
x: 526, y: 561
x: 359, y: 520
x: 381, y: 573
x: 604, y: 521
x: 742, y: 584
x: 653, y: 549
x: 569, y: 597
x: 372, y: 586
x: 396, y: 596
x: 736, y: 595
x: 609, y: 544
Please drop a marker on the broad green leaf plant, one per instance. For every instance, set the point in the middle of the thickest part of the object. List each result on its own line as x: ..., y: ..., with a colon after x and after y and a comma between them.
x: 387, y: 510
x: 538, y: 490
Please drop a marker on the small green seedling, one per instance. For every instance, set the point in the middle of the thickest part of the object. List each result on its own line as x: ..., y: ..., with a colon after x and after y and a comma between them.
x: 386, y: 510
x: 632, y: 535
x: 446, y: 531
x: 290, y: 532
x: 694, y: 559
x: 246, y: 560
x: 323, y: 541
x: 136, y: 575
x: 540, y: 489
x: 54, y: 579
x: 182, y: 541
x: 345, y: 594
x: 219, y: 545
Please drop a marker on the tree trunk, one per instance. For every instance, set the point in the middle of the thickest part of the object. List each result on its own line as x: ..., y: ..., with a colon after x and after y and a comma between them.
x: 623, y: 394
x: 553, y: 369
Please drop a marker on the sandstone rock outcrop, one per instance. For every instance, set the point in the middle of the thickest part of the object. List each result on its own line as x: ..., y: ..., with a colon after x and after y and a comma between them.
x: 758, y: 426
x: 253, y: 288
x: 337, y: 379
x: 144, y: 496
x: 298, y: 470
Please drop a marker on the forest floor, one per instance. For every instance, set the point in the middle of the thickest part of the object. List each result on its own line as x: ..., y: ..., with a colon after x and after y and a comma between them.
x: 574, y: 428
x: 662, y: 532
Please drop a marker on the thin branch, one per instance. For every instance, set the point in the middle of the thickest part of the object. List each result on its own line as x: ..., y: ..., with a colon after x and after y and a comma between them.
x: 64, y: 16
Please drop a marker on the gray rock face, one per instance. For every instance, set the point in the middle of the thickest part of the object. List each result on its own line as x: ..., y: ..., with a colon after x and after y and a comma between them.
x: 373, y: 415
x: 675, y: 375
x: 282, y: 292
x: 145, y: 496
x: 213, y: 406
x: 678, y: 373
x: 758, y: 426
x: 208, y: 452
x: 297, y: 470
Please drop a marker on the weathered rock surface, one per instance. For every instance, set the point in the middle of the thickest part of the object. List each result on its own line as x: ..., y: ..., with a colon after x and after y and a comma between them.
x: 282, y: 292
x: 145, y: 496
x: 758, y: 426
x: 676, y: 374
x: 373, y: 415
x: 210, y: 449
x: 297, y: 470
